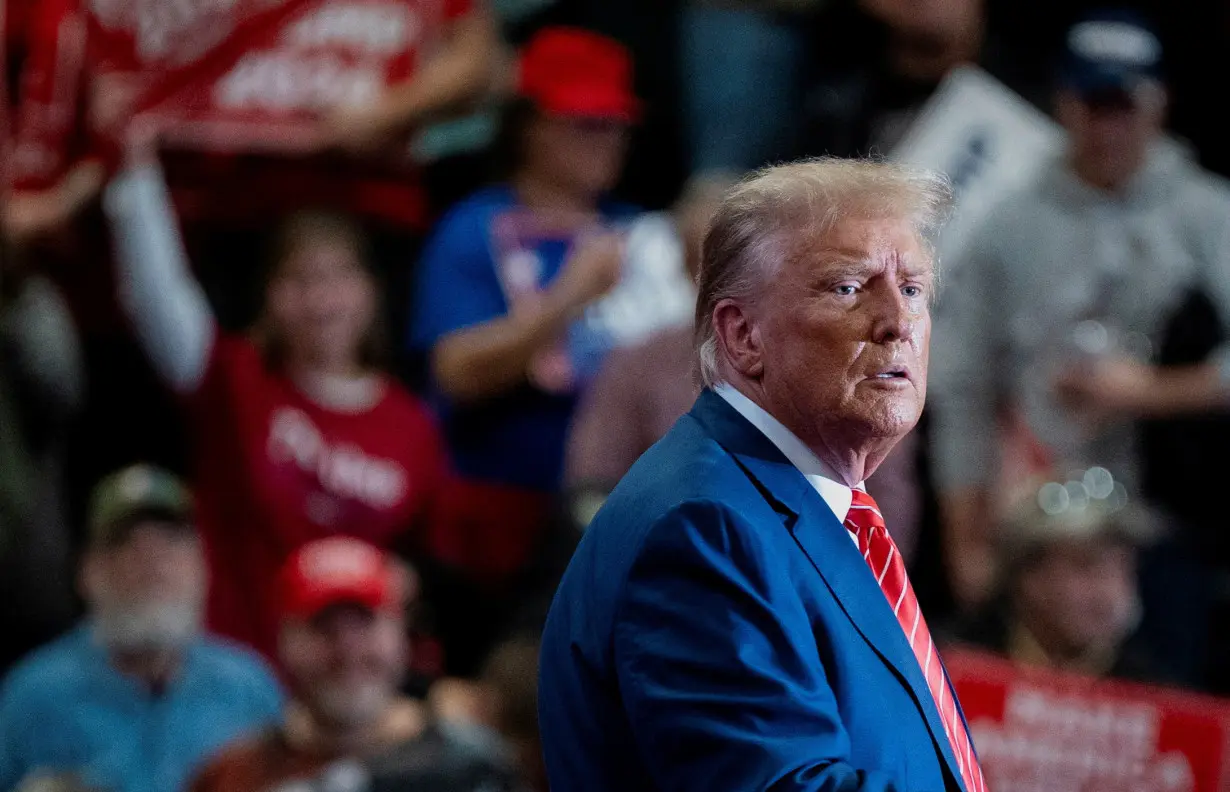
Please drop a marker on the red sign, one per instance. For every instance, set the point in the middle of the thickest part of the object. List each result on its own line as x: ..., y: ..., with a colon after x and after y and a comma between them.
x: 1038, y: 730
x: 232, y: 75
x: 266, y: 85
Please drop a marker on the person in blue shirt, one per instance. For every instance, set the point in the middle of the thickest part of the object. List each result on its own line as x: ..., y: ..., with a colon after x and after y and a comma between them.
x: 136, y: 698
x: 525, y: 286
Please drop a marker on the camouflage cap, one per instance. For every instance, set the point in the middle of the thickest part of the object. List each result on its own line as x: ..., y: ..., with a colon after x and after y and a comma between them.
x: 133, y: 493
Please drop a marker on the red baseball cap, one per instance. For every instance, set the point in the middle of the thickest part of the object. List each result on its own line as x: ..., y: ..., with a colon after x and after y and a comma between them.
x: 338, y: 570
x: 577, y: 73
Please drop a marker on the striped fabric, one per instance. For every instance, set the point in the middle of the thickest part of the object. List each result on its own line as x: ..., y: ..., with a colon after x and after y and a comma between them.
x: 866, y: 525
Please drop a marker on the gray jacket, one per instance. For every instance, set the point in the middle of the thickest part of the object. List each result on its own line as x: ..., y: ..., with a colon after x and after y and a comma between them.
x: 1051, y: 267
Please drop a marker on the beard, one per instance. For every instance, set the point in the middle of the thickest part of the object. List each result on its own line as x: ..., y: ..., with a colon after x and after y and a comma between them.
x: 156, y: 626
x: 351, y: 705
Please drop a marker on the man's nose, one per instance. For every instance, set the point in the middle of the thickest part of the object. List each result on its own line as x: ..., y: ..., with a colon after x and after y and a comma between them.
x: 892, y: 315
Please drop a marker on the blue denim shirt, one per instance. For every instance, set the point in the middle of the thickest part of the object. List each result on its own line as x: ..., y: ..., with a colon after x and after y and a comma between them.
x: 66, y: 709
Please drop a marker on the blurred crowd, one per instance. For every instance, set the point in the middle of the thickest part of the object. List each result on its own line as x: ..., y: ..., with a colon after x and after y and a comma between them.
x: 327, y: 325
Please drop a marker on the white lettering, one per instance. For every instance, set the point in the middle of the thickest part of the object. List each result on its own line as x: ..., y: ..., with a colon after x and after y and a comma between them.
x: 343, y: 471
x: 181, y: 30
x: 285, y: 82
x: 370, y: 29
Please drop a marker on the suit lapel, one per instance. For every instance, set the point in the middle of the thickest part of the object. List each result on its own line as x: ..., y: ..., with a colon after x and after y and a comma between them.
x: 827, y: 545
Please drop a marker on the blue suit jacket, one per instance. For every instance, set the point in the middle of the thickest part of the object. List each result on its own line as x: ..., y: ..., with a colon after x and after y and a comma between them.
x: 717, y: 630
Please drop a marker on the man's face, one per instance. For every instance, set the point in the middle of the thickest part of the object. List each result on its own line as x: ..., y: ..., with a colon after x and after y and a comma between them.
x: 347, y: 662
x: 1081, y: 595
x: 586, y: 155
x: 844, y: 329
x: 1109, y: 133
x: 148, y: 591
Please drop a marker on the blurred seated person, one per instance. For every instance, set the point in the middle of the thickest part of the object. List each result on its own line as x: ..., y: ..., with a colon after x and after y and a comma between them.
x: 644, y: 388
x: 1069, y: 598
x: 505, y: 699
x: 343, y: 641
x: 522, y: 290
x: 298, y: 432
x: 138, y: 697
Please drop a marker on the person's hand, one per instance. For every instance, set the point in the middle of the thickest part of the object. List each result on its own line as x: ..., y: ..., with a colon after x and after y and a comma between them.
x: 592, y: 269
x: 32, y: 214
x: 1109, y: 389
x: 462, y: 701
x: 358, y: 129
x: 29, y: 214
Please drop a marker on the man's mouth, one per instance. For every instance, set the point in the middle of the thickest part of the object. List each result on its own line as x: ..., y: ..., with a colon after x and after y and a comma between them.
x: 892, y: 374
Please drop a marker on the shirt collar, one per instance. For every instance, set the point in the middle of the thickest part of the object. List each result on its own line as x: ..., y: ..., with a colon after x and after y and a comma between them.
x: 821, y: 477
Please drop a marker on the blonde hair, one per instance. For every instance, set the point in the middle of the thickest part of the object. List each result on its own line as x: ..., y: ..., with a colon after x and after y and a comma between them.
x: 751, y: 231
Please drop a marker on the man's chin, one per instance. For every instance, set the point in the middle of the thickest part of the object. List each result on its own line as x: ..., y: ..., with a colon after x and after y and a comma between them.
x: 893, y: 418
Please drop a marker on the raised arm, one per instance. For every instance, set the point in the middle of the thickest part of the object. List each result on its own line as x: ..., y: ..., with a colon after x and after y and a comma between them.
x: 488, y: 358
x: 718, y: 670
x: 455, y: 75
x: 166, y: 305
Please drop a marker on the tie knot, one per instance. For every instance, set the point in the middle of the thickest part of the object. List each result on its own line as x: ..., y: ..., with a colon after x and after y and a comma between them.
x: 864, y: 515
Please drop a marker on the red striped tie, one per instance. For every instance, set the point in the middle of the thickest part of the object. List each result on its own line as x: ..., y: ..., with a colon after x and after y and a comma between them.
x: 866, y: 524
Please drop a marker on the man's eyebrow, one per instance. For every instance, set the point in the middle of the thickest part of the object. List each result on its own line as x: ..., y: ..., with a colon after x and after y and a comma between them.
x: 921, y: 269
x: 853, y: 259
x: 851, y: 254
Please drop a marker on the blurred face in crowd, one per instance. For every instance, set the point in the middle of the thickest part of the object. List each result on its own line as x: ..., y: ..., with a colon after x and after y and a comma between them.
x: 693, y: 214
x: 1109, y: 133
x: 841, y: 334
x: 321, y: 300
x: 583, y: 156
x: 936, y: 20
x: 1078, y: 597
x: 929, y: 36
x: 347, y: 663
x: 147, y: 591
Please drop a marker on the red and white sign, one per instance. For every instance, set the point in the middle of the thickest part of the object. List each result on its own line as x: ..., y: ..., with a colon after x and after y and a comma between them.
x: 266, y: 85
x: 223, y: 75
x: 1038, y: 730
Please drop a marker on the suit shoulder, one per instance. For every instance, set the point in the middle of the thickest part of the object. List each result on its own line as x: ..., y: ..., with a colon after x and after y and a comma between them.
x: 686, y: 465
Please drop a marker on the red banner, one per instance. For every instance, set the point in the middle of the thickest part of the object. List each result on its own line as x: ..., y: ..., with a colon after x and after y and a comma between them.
x: 1038, y: 730
x: 230, y: 75
x: 265, y: 85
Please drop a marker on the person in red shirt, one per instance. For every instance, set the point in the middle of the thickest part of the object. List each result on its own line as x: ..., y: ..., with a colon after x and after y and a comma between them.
x: 298, y: 435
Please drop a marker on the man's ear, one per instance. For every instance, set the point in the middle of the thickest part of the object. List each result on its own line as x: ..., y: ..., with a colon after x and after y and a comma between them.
x: 738, y: 337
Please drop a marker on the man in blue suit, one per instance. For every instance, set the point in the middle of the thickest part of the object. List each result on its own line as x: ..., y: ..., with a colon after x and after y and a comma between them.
x: 736, y: 617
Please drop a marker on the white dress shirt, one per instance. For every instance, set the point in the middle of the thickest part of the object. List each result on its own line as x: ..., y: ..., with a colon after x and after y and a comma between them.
x: 821, y: 477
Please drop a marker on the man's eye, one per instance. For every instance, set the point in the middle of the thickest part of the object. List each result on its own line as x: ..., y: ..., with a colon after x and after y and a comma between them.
x: 846, y: 289
x: 912, y: 291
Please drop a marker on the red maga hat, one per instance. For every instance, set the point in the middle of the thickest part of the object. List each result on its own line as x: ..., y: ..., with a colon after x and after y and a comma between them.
x: 578, y: 74
x: 335, y: 571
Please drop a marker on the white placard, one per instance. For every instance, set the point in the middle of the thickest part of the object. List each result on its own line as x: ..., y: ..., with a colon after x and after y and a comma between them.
x: 988, y: 139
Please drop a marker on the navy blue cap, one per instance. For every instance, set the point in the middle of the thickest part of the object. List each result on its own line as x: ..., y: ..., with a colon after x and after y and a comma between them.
x: 1110, y: 51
